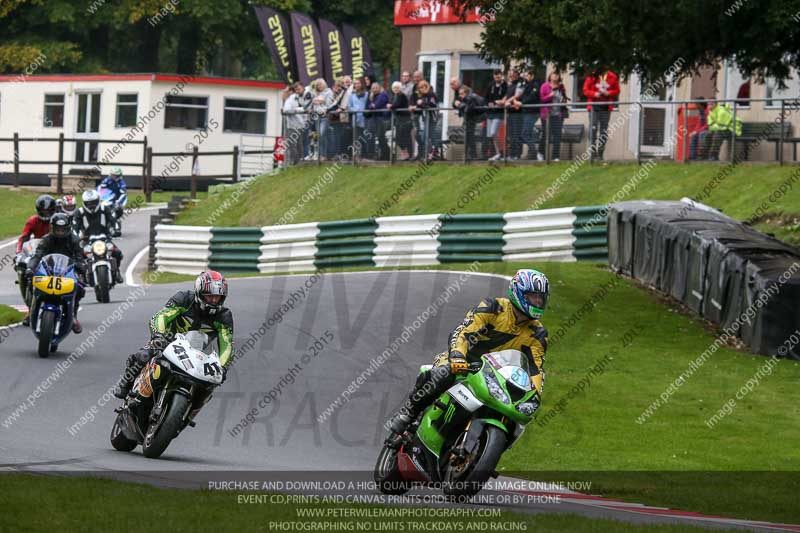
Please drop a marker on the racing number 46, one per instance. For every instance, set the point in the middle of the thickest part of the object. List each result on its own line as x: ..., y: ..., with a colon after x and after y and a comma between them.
x: 54, y: 283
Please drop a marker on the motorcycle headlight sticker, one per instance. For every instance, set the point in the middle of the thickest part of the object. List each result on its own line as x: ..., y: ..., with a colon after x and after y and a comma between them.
x: 494, y: 387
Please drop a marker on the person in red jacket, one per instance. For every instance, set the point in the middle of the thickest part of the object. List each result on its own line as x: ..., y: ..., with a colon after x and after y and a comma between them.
x: 38, y: 225
x: 601, y: 88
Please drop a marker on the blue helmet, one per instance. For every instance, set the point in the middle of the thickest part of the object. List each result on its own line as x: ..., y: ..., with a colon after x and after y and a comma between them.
x: 529, y: 291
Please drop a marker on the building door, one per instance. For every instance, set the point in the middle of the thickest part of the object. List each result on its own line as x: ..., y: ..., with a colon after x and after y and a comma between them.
x: 87, y: 127
x: 436, y: 70
x: 656, y: 126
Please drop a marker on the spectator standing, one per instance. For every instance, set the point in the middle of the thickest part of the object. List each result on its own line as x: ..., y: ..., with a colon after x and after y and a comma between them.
x: 470, y: 109
x: 496, y: 100
x: 402, y: 121
x: 721, y: 127
x: 417, y: 78
x: 377, y: 122
x: 356, y: 105
x: 426, y: 105
x: 336, y: 127
x: 294, y: 119
x: 552, y: 92
x: 699, y: 132
x: 406, y: 85
x: 320, y: 103
x: 530, y: 96
x: 455, y: 85
x: 601, y: 89
x: 514, y: 118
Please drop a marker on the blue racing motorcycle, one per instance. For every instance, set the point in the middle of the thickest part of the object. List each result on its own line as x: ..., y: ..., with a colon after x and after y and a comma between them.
x: 55, y: 289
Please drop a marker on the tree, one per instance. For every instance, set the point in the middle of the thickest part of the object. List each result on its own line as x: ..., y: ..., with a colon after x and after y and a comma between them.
x: 643, y: 36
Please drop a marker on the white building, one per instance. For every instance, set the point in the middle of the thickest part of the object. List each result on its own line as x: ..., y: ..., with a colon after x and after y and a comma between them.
x: 173, y: 112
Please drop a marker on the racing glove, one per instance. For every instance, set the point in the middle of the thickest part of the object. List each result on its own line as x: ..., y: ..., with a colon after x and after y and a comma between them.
x: 159, y: 342
x: 458, y: 363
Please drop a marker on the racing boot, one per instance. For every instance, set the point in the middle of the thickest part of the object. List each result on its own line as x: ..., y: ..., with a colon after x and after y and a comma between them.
x: 118, y: 277
x: 132, y: 368
x: 430, y: 385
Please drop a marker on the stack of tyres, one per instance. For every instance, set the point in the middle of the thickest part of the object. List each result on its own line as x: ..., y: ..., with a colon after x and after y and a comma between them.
x: 714, y: 264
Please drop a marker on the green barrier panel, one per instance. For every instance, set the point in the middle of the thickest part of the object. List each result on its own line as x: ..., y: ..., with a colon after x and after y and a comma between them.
x: 479, y: 223
x: 589, y: 232
x: 346, y: 228
x: 468, y: 258
x: 339, y: 262
x: 588, y: 210
x: 590, y: 242
x: 345, y: 251
x: 472, y: 246
x: 233, y: 266
x: 591, y: 254
x: 236, y: 256
x: 337, y: 243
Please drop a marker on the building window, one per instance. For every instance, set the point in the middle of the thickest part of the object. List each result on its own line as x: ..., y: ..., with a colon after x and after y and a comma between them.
x: 186, y: 112
x: 245, y: 116
x: 792, y: 90
x: 477, y: 73
x: 54, y: 111
x: 737, y: 87
x: 126, y: 110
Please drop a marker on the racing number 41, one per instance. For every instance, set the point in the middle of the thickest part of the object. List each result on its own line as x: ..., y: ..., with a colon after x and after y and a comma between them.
x: 210, y: 369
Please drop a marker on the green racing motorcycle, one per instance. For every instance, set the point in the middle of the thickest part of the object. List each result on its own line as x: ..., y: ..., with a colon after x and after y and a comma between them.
x: 457, y: 441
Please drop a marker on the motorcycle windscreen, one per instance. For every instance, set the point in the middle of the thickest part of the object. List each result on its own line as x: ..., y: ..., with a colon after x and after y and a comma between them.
x: 56, y: 265
x: 510, y: 358
x: 199, y: 341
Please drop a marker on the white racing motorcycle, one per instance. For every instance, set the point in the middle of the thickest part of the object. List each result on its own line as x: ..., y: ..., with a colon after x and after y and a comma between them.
x: 167, y: 395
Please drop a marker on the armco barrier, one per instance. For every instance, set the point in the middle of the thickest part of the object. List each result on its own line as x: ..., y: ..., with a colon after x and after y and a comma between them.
x: 545, y: 235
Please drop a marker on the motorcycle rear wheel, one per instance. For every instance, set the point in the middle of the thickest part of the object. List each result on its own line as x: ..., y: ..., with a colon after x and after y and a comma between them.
x: 387, y: 475
x: 47, y: 328
x: 158, y: 438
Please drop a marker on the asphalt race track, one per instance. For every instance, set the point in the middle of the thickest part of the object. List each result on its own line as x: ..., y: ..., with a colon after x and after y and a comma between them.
x: 353, y: 316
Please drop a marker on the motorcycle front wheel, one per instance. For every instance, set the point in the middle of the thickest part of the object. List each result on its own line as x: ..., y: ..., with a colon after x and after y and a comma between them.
x: 466, y: 479
x: 161, y: 433
x: 47, y: 328
x: 118, y: 439
x: 102, y: 288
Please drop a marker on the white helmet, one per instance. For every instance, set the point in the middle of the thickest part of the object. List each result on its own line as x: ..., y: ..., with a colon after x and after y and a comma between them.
x: 91, y: 200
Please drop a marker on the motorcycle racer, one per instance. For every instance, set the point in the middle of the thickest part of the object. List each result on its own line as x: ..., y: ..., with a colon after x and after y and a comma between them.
x: 38, y: 225
x: 96, y: 219
x: 60, y: 240
x: 493, y: 325
x: 199, y: 309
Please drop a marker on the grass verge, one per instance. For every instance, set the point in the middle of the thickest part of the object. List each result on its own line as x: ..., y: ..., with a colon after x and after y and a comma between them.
x: 9, y: 315
x: 599, y: 431
x: 310, y: 194
x: 89, y: 504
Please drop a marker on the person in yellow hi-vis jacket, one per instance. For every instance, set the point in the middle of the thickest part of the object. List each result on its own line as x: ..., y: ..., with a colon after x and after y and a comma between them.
x: 721, y: 127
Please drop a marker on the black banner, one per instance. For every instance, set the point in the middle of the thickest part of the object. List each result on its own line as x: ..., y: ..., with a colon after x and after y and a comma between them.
x: 276, y: 36
x: 335, y: 50
x: 307, y: 48
x: 360, y: 54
